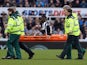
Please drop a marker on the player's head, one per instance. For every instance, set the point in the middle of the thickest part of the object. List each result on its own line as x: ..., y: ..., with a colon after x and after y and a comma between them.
x: 67, y: 9
x: 44, y: 16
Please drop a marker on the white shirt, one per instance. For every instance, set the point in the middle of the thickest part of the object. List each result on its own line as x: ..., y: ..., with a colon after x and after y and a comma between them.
x: 44, y: 26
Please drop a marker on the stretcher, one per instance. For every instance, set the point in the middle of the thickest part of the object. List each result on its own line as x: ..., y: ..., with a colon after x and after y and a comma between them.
x: 53, y: 37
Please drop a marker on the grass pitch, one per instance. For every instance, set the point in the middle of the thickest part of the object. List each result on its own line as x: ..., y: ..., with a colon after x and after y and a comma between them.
x: 43, y: 57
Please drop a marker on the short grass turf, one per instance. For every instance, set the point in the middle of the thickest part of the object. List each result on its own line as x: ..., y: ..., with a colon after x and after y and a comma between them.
x: 43, y: 57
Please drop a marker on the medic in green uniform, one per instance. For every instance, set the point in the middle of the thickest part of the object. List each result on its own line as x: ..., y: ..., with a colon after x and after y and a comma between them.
x: 72, y: 30
x: 15, y: 28
x: 69, y: 50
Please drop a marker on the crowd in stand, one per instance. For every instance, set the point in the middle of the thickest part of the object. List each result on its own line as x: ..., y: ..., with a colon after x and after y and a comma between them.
x: 43, y: 3
x: 33, y: 24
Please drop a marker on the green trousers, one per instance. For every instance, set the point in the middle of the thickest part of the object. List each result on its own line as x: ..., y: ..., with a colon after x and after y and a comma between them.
x: 72, y: 40
x: 69, y: 51
x: 13, y: 41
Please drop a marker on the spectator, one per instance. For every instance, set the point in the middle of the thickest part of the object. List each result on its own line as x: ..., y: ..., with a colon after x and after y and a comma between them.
x: 4, y: 19
x: 76, y: 3
x: 25, y: 28
x: 33, y: 4
x: 30, y: 23
x: 62, y: 23
x: 58, y: 31
x: 46, y: 1
x: 57, y: 4
x: 1, y: 3
x: 20, y: 4
x: 40, y: 3
x: 13, y: 3
x: 70, y: 3
x: 85, y: 23
x: 83, y: 4
x: 34, y: 31
x: 64, y: 2
x: 80, y: 22
x: 43, y: 3
x: 26, y: 3
x: 81, y: 36
x: 51, y: 4
x: 37, y: 21
x: 57, y: 24
x: 7, y: 3
x: 0, y: 32
x: 85, y: 33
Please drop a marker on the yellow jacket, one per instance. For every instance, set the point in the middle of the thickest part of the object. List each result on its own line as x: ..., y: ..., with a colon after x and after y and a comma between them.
x: 15, y: 25
x: 72, y: 25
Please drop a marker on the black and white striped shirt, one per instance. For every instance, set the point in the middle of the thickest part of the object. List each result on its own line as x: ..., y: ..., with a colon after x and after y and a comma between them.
x: 47, y: 28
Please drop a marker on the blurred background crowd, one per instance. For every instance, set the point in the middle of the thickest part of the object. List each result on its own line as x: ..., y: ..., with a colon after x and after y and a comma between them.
x: 33, y: 24
x: 43, y: 3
